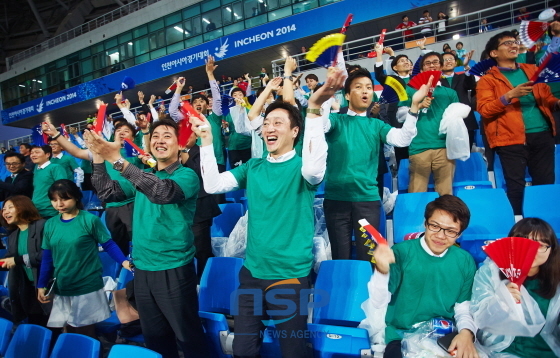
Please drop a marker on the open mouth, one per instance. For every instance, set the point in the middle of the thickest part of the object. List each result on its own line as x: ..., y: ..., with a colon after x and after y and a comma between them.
x: 271, y: 139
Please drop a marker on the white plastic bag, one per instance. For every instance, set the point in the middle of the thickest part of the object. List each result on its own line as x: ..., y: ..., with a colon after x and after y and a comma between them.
x: 495, y: 312
x: 389, y: 199
x: 452, y: 124
x: 321, y: 252
x: 237, y: 241
x: 218, y: 245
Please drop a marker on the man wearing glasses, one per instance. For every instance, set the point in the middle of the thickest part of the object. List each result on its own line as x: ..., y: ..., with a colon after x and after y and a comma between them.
x: 20, y: 182
x: 428, y: 153
x: 426, y: 278
x: 517, y: 118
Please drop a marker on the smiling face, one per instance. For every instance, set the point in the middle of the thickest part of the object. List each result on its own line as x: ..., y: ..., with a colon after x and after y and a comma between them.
x: 38, y: 156
x: 164, y: 145
x: 56, y: 148
x: 64, y: 206
x: 431, y: 63
x: 9, y: 213
x: 200, y: 105
x: 124, y: 132
x: 438, y: 242
x: 13, y: 164
x: 403, y: 65
x: 238, y: 95
x: 448, y: 63
x: 311, y: 83
x: 360, y: 95
x: 507, y: 50
x: 277, y: 134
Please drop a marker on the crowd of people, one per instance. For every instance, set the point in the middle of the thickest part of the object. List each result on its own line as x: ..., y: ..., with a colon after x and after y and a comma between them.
x: 281, y: 148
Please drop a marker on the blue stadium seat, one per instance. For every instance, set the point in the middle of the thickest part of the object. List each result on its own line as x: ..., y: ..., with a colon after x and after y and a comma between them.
x: 124, y: 277
x: 124, y: 350
x: 225, y: 222
x: 86, y: 197
x: 320, y: 190
x: 557, y: 164
x: 75, y: 346
x: 541, y: 201
x: 491, y: 219
x: 235, y: 196
x: 5, y: 335
x: 403, y: 177
x: 112, y: 324
x: 408, y: 215
x: 29, y: 341
x: 471, y: 174
x: 342, y: 284
x: 219, y: 280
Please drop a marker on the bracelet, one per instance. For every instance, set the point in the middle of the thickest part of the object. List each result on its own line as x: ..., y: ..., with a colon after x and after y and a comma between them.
x: 56, y: 136
x: 146, y: 133
x: 413, y: 114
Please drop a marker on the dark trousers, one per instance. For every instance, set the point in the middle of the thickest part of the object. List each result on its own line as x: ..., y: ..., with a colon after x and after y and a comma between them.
x: 249, y: 326
x: 400, y: 154
x: 537, y: 154
x: 203, y: 244
x: 238, y: 157
x: 393, y: 350
x: 167, y: 304
x: 119, y: 223
x: 342, y: 218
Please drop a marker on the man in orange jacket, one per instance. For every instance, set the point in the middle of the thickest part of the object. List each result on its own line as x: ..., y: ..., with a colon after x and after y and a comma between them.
x: 518, y: 118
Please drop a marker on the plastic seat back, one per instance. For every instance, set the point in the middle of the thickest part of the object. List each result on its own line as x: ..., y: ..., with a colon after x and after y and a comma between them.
x: 541, y: 201
x: 219, y: 280
x: 340, y: 289
x: 473, y: 169
x: 124, y: 277
x: 75, y: 346
x: 5, y: 335
x: 225, y: 222
x: 29, y: 341
x: 491, y: 219
x: 408, y: 215
x: 124, y: 350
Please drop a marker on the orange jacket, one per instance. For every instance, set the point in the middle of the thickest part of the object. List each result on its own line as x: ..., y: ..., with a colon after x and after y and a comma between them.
x: 503, y: 124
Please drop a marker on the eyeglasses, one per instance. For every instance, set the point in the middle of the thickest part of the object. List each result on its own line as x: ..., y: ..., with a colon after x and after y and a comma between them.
x: 428, y: 63
x: 449, y: 60
x: 450, y: 233
x: 12, y: 164
x: 542, y: 247
x: 510, y: 43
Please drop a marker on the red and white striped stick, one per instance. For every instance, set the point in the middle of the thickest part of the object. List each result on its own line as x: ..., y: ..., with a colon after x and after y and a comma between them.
x: 373, y: 232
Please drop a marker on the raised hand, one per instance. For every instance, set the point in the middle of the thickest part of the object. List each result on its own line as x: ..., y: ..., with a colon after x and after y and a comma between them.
x: 334, y: 82
x: 210, y: 65
x: 202, y: 128
x: 290, y: 66
x: 141, y: 97
x: 49, y: 129
x: 274, y: 84
x: 180, y: 84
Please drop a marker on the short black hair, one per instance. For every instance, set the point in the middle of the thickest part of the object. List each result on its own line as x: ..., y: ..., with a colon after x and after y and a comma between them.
x: 449, y: 54
x: 126, y: 124
x: 404, y: 17
x: 396, y: 60
x: 495, y: 40
x: 165, y: 122
x: 293, y: 113
x: 45, y: 148
x: 66, y: 189
x: 459, y: 43
x: 26, y: 145
x: 426, y: 11
x: 116, y: 121
x: 451, y: 205
x: 237, y: 89
x: 312, y: 76
x: 352, y: 68
x: 429, y: 54
x: 20, y: 156
x: 362, y: 72
x: 200, y: 95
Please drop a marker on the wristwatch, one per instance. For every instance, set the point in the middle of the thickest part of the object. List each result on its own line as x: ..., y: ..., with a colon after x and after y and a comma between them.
x: 291, y: 78
x: 317, y: 111
x: 118, y: 165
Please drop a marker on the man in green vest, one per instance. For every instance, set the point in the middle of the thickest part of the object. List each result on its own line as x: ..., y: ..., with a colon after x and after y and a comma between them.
x: 45, y: 174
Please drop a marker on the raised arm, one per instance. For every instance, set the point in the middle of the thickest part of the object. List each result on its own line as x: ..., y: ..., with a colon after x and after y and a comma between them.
x: 257, y: 109
x: 174, y: 112
x: 214, y: 88
x: 214, y: 181
x: 401, y: 137
x: 67, y: 145
x: 288, y: 89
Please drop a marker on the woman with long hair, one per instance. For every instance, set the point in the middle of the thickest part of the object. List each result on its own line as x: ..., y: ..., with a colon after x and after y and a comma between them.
x: 23, y: 259
x: 70, y: 249
x: 521, y: 321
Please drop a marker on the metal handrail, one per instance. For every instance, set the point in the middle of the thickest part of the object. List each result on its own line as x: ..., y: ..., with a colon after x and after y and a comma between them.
x: 360, y: 47
x: 79, y: 30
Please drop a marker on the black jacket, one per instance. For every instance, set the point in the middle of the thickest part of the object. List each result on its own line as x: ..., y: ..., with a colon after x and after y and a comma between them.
x: 23, y: 296
x: 462, y: 83
x: 21, y: 185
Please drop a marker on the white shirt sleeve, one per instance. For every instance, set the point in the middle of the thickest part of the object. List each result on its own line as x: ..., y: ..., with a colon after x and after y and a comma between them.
x: 401, y: 137
x: 127, y: 114
x: 216, y: 98
x: 174, y: 112
x: 155, y: 114
x: 300, y: 97
x: 463, y: 317
x: 240, y: 120
x: 378, y: 289
x: 214, y: 181
x: 314, y: 153
x: 326, y: 107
